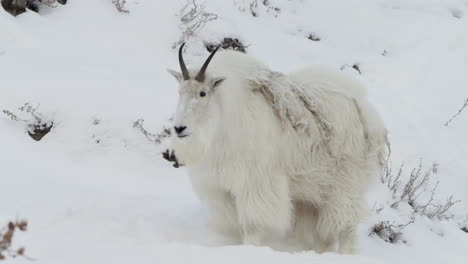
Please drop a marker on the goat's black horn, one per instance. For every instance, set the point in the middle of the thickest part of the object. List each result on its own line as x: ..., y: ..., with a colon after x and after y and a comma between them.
x: 183, y: 68
x: 201, y: 74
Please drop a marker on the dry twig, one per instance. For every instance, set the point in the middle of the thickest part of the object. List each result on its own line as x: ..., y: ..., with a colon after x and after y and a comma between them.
x: 465, y: 105
x: 157, y: 138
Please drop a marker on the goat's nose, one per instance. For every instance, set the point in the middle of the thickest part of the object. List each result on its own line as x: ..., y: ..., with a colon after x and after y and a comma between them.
x: 179, y: 129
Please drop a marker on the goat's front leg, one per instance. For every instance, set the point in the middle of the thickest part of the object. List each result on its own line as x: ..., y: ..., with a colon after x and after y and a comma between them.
x: 263, y: 205
x: 224, y: 214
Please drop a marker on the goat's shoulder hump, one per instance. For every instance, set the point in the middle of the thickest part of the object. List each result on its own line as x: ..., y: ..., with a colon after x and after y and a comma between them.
x: 235, y: 61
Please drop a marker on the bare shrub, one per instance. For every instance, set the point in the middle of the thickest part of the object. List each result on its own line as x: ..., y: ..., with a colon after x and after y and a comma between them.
x: 391, y: 233
x: 254, y: 7
x: 415, y: 189
x: 120, y: 5
x: 6, y: 238
x: 465, y: 105
x: 409, y: 190
x: 193, y: 18
x: 37, y: 125
x: 156, y: 138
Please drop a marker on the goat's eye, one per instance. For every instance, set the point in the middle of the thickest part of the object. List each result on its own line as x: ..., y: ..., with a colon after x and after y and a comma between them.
x: 202, y: 94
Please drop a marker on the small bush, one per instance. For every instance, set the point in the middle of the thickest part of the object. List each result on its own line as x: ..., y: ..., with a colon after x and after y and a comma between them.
x: 6, y: 239
x: 414, y: 193
x: 411, y: 190
x: 37, y: 126
x: 390, y: 233
x: 193, y: 19
x: 254, y: 7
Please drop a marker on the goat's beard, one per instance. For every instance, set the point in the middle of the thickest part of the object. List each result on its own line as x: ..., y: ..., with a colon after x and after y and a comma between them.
x: 188, y: 150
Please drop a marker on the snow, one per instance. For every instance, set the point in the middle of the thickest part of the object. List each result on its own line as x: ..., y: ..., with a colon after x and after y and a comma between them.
x: 118, y: 201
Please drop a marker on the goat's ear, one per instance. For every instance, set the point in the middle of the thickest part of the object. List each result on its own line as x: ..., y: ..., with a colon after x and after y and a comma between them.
x: 176, y: 74
x: 215, y: 82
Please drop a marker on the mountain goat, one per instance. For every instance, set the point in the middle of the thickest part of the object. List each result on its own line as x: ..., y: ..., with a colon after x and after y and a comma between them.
x: 272, y: 152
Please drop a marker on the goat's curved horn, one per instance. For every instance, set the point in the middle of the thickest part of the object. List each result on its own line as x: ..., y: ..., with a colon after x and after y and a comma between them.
x: 183, y: 68
x: 201, y: 74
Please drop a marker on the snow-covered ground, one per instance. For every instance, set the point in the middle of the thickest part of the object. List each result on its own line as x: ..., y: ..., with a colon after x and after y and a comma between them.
x: 95, y: 190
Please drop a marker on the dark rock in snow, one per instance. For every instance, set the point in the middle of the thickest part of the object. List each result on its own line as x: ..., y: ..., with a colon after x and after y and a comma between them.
x: 38, y: 130
x: 17, y: 7
x: 227, y: 43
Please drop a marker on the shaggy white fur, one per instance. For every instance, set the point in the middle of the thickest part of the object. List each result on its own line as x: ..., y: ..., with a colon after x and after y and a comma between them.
x: 270, y: 152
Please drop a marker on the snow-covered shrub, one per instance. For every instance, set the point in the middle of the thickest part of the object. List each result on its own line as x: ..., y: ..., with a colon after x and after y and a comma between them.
x: 417, y: 190
x: 255, y: 7
x: 37, y: 125
x: 465, y: 105
x: 193, y: 18
x: 227, y: 43
x: 389, y: 232
x: 120, y: 5
x: 6, y: 238
x: 412, y: 195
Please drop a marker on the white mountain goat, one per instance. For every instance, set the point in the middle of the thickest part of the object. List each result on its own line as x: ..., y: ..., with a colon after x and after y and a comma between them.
x: 272, y: 152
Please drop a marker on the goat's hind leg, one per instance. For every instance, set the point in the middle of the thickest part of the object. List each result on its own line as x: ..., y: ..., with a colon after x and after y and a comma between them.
x: 336, y: 223
x: 347, y: 241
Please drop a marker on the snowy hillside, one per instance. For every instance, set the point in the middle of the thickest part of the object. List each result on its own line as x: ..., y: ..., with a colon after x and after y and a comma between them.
x: 97, y: 190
